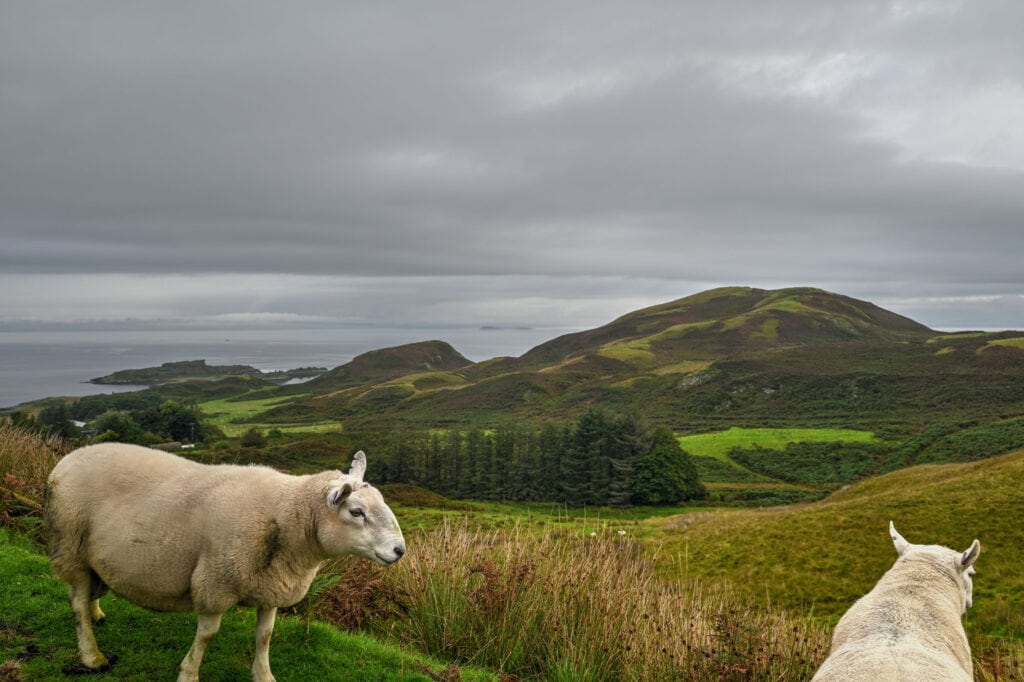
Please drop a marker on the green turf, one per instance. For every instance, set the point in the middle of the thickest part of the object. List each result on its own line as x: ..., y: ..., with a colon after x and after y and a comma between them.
x: 36, y: 628
x: 719, y: 443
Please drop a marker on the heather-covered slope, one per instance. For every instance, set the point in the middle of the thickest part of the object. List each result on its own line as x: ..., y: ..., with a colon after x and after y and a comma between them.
x: 735, y: 320
x: 730, y: 356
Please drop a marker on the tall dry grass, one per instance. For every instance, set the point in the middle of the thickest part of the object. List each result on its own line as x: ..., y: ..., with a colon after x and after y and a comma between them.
x: 26, y: 459
x: 562, y: 607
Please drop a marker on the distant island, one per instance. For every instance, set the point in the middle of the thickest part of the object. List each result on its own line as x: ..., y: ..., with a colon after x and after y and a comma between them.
x: 198, y: 369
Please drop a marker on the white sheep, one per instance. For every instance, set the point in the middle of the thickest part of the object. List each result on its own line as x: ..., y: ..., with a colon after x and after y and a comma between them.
x: 908, y: 627
x: 170, y: 534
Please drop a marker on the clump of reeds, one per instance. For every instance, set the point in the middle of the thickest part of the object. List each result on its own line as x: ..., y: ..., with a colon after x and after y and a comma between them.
x: 26, y: 459
x: 566, y: 607
x: 998, y: 659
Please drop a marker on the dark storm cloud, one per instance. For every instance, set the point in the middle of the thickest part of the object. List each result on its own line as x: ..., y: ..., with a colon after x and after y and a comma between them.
x: 399, y: 155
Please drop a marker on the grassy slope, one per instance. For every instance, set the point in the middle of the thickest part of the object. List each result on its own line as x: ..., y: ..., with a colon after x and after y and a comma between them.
x: 729, y: 480
x: 820, y: 558
x: 719, y: 443
x: 36, y: 626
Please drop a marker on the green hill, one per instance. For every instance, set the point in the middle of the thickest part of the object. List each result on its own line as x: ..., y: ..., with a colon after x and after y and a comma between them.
x: 734, y: 321
x: 386, y: 364
x: 187, y: 370
x: 821, y: 557
x: 726, y: 357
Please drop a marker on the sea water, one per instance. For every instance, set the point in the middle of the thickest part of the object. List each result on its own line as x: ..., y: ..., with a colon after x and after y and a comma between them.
x: 41, y: 364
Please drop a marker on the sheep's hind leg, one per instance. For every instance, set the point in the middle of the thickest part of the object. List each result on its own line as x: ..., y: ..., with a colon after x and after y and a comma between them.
x: 209, y: 624
x: 264, y: 629
x: 95, y: 612
x: 97, y: 588
x: 82, y: 604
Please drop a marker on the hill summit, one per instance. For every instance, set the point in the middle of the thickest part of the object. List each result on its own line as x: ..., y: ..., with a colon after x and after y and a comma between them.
x: 733, y: 320
x: 385, y: 364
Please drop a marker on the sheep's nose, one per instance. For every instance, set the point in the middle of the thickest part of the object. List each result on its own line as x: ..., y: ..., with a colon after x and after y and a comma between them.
x: 399, y: 551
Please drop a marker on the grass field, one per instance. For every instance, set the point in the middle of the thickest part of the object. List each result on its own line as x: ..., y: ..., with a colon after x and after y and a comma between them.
x: 227, y: 413
x: 719, y: 443
x: 733, y: 482
x: 37, y: 638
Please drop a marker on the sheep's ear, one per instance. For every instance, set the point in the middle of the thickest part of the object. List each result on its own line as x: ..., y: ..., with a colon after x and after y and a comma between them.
x: 338, y: 494
x: 898, y: 542
x: 970, y: 555
x: 358, y: 466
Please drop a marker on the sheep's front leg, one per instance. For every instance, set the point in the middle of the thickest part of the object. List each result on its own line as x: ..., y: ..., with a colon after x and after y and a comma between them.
x: 209, y: 623
x: 264, y: 628
x: 84, y: 609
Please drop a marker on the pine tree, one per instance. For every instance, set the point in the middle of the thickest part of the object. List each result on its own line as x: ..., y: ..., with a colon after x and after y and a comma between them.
x: 468, y: 485
x: 628, y: 441
x: 583, y: 453
x: 553, y: 440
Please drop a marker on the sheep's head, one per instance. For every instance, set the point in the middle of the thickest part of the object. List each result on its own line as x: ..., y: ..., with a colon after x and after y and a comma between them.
x: 960, y: 565
x: 359, y: 521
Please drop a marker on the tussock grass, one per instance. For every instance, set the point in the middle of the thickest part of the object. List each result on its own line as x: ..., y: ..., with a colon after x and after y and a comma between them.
x: 568, y: 606
x: 26, y: 459
x: 29, y: 457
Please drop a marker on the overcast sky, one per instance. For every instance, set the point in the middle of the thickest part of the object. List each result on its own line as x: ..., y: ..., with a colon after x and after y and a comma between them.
x: 551, y: 164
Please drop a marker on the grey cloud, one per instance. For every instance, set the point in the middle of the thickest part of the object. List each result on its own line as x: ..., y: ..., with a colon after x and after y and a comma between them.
x: 588, y: 151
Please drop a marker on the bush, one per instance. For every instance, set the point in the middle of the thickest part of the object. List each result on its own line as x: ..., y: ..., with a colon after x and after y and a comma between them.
x: 252, y: 438
x: 977, y: 442
x: 817, y: 464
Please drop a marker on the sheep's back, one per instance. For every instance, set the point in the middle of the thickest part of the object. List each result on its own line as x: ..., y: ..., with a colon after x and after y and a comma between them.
x: 873, y: 659
x: 147, y: 518
x: 905, y: 629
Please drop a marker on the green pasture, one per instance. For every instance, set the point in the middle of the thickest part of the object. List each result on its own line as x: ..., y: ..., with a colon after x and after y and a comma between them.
x: 1016, y: 342
x: 37, y: 638
x: 418, y: 509
x: 719, y: 443
x: 234, y: 417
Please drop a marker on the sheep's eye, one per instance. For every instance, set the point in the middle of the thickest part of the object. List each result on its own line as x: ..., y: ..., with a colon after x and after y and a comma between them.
x: 357, y: 513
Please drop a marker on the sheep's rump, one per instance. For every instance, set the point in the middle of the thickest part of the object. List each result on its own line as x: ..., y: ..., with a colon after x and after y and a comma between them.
x: 140, y: 519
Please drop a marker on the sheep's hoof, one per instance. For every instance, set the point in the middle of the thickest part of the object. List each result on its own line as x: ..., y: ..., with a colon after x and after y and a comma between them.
x: 79, y: 668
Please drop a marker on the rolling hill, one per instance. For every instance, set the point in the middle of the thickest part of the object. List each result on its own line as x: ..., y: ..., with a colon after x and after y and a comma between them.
x: 821, y: 557
x: 724, y: 357
x: 734, y: 321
